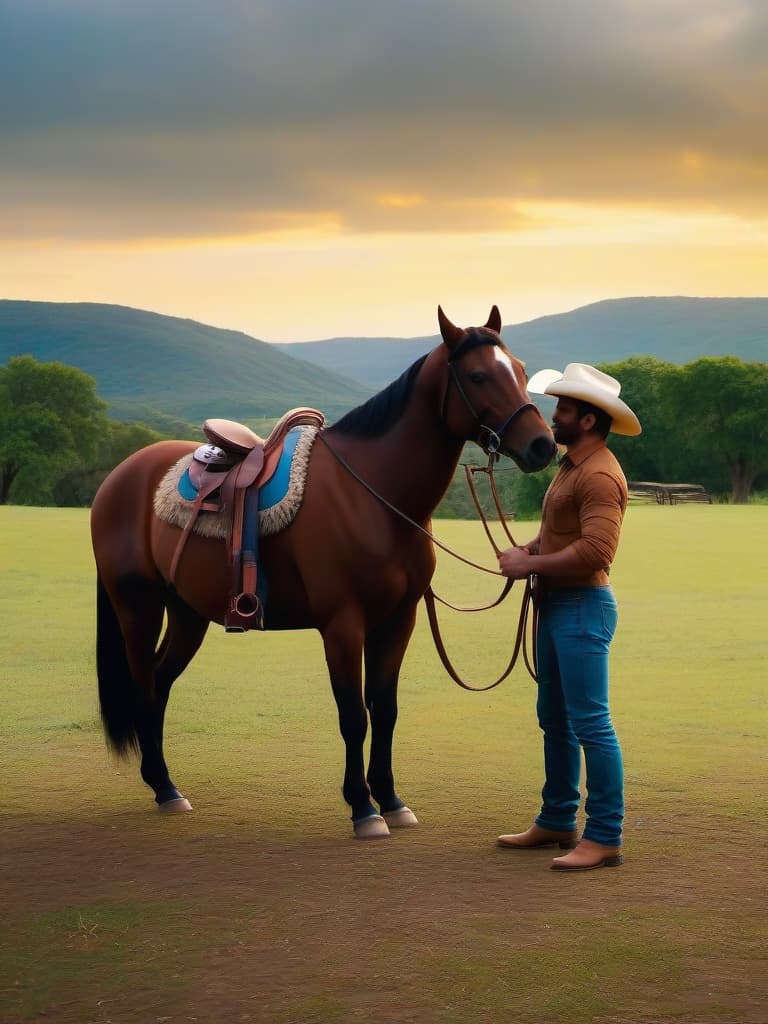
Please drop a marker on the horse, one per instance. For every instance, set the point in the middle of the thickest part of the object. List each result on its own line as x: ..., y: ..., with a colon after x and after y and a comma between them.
x: 347, y: 565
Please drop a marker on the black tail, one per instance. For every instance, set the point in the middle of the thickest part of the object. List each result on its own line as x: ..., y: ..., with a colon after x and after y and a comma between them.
x: 118, y: 693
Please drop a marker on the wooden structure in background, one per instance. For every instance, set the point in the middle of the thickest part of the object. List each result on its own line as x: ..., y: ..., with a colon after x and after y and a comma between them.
x: 668, y: 494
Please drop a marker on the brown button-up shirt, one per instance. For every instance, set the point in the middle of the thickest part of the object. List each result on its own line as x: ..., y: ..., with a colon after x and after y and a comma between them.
x: 584, y: 506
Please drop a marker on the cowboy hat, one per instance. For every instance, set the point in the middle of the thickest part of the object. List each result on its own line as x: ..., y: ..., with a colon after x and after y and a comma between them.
x: 586, y: 384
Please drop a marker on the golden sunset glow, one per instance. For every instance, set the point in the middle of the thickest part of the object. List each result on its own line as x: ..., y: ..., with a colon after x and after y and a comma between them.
x: 401, y: 202
x: 539, y: 159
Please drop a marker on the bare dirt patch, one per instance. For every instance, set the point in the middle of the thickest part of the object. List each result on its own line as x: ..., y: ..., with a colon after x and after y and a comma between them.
x: 144, y: 918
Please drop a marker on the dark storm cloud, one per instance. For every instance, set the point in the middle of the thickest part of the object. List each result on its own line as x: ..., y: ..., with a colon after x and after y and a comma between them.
x: 188, y: 117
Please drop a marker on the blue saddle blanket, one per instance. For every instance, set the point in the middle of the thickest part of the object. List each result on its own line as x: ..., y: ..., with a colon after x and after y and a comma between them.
x: 275, y: 489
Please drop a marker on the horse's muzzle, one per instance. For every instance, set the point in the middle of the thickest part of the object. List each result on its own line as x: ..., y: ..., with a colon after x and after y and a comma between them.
x: 537, y: 455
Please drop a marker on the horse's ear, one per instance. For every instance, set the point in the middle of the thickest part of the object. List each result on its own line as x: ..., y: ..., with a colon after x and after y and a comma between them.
x: 494, y: 320
x: 452, y: 335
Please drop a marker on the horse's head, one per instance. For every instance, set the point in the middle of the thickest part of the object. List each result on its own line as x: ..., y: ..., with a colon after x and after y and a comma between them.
x: 485, y: 398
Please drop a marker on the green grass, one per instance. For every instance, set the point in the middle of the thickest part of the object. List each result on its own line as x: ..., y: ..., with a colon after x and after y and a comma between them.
x: 259, y: 903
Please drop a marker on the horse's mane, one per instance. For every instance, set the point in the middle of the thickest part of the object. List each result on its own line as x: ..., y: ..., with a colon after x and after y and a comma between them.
x: 382, y: 411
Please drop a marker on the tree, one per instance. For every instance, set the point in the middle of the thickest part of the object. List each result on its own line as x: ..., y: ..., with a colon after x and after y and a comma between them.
x: 702, y: 423
x: 50, y: 420
x: 719, y: 405
x: 78, y: 485
x: 654, y: 454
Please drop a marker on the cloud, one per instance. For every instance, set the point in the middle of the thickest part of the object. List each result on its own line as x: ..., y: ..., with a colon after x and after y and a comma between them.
x: 188, y: 119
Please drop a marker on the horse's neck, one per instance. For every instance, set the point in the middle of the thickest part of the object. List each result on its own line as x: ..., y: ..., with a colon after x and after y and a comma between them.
x: 413, y: 464
x: 424, y: 465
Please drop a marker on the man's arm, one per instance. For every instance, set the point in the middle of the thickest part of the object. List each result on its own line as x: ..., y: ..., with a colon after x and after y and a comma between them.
x: 520, y: 562
x: 600, y: 514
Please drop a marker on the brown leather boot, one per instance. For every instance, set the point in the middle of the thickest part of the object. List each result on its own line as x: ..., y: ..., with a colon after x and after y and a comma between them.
x: 589, y: 855
x: 536, y: 837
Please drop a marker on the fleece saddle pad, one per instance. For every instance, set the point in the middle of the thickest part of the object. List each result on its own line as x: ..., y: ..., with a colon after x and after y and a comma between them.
x: 279, y: 499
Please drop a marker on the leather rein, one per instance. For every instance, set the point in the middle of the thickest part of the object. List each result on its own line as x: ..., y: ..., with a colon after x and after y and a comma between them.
x: 528, y: 607
x: 528, y: 612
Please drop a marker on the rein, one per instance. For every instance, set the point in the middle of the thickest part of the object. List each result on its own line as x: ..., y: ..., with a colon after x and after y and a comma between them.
x: 430, y: 597
x: 520, y: 638
x: 528, y: 602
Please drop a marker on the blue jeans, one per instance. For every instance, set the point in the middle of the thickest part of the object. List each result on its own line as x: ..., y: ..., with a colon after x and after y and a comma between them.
x: 575, y: 631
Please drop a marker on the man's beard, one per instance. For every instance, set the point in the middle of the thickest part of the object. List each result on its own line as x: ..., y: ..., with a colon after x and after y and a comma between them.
x: 563, y: 435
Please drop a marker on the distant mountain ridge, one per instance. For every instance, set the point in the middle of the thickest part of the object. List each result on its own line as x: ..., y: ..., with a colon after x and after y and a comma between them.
x: 145, y: 362
x: 149, y: 366
x: 676, y: 329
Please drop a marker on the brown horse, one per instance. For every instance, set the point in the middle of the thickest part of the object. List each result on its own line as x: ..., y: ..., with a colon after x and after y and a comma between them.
x: 347, y: 566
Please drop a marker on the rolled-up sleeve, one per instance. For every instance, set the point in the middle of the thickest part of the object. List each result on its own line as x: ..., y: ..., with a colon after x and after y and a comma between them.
x: 602, y: 501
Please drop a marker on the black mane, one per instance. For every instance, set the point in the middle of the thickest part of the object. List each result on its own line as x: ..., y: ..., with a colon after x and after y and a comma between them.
x: 375, y: 417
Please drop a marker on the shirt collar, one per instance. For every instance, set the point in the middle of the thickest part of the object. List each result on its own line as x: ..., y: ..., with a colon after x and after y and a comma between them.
x: 576, y: 458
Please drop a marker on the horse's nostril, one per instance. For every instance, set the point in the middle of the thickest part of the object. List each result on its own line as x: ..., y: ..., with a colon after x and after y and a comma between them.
x: 541, y: 451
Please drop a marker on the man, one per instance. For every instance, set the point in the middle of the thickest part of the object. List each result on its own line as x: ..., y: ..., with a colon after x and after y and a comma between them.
x: 570, y: 559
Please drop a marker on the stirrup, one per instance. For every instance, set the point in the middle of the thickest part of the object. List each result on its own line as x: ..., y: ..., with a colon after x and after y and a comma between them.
x: 245, y: 612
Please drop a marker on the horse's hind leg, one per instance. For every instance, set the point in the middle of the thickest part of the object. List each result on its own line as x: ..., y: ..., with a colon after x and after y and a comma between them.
x: 183, y: 636
x: 384, y: 651
x: 135, y: 679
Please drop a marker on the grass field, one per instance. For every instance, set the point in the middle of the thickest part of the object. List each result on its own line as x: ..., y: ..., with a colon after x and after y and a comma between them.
x: 260, y: 907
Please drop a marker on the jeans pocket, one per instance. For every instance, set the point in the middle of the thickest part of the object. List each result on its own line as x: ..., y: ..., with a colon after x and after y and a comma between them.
x: 610, y: 617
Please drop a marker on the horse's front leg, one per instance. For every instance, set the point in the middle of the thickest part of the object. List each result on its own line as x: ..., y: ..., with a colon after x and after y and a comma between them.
x: 343, y: 643
x: 384, y: 652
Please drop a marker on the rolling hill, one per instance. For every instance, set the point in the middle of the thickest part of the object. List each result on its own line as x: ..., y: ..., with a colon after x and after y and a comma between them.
x: 675, y: 329
x: 159, y: 368
x: 145, y: 363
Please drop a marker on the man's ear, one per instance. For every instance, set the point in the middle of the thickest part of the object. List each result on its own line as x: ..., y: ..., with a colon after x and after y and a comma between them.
x: 589, y: 420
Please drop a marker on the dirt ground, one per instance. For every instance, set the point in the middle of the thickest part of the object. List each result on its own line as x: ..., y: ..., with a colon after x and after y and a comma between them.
x: 139, y: 917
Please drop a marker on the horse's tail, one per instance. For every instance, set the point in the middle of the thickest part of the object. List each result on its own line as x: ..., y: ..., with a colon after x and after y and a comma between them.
x: 118, y: 693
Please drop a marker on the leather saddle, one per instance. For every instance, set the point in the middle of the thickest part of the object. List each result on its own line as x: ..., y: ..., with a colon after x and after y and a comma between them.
x: 230, y: 482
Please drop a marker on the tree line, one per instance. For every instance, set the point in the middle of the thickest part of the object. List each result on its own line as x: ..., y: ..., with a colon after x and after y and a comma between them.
x: 56, y: 441
x: 706, y: 423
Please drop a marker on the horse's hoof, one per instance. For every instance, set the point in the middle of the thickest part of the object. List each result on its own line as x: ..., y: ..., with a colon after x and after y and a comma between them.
x: 403, y: 817
x: 372, y: 827
x: 178, y: 805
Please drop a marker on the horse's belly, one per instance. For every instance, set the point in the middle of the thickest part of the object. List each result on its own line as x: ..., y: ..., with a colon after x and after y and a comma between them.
x: 201, y: 577
x: 306, y: 578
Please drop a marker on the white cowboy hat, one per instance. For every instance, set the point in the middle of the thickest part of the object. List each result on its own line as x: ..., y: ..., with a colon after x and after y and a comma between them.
x: 585, y: 383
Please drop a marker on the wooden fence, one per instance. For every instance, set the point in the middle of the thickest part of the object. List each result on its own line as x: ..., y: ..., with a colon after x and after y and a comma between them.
x: 667, y: 494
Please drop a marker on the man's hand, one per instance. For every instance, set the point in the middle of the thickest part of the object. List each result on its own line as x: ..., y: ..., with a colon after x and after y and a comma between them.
x: 515, y: 562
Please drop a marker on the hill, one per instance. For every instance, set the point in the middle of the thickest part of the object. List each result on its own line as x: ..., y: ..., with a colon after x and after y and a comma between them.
x: 162, y: 369
x: 148, y: 366
x: 675, y: 329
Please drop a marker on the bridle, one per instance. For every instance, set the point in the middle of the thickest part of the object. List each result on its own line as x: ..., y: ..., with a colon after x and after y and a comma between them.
x: 492, y: 444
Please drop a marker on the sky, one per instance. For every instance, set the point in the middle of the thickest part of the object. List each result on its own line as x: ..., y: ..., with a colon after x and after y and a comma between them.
x: 305, y: 169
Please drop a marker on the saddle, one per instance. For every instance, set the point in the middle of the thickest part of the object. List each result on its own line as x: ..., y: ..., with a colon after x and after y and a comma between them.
x: 235, y: 466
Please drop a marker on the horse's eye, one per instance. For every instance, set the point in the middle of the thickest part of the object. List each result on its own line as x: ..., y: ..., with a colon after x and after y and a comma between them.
x: 478, y: 376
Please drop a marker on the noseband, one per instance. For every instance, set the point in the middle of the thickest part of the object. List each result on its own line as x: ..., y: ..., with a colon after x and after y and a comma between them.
x: 493, y: 442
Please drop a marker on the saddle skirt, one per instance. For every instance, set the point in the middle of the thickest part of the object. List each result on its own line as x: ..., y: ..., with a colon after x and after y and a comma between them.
x: 280, y: 493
